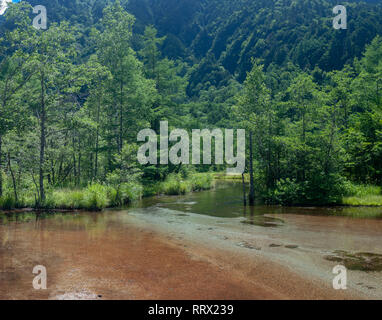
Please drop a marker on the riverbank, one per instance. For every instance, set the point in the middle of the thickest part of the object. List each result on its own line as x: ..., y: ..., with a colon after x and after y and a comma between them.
x: 357, y: 195
x: 97, y: 196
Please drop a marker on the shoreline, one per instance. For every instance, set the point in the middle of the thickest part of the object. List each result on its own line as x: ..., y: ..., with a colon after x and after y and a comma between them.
x: 30, y: 209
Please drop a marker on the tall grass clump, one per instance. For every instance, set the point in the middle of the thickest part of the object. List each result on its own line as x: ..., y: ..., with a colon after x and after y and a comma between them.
x: 7, y: 202
x: 202, y: 181
x: 362, y: 195
x: 64, y: 199
x: 125, y: 193
x: 95, y: 197
x: 176, y: 184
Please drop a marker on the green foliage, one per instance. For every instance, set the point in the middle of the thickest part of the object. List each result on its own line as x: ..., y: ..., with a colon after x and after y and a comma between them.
x: 95, y: 197
x: 368, y: 200
x: 7, y: 202
x: 175, y: 185
x: 202, y: 181
x: 362, y: 195
x: 287, y: 192
x: 321, y: 190
x: 359, y: 190
x: 73, y: 97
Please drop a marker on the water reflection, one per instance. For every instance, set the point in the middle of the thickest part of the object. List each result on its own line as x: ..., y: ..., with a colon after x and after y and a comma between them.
x: 224, y: 201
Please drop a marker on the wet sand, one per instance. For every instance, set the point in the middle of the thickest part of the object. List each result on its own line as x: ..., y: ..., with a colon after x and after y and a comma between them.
x: 164, y: 255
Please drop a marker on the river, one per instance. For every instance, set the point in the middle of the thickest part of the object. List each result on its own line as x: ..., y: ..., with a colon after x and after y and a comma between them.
x: 203, y: 245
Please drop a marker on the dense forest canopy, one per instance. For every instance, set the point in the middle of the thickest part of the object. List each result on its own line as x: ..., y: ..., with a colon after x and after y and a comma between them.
x: 74, y: 96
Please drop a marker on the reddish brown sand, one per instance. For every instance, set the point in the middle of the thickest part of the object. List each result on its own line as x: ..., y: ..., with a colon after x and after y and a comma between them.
x: 125, y: 261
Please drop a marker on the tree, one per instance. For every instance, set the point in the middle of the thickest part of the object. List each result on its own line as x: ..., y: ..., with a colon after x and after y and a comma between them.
x: 15, y: 70
x: 52, y: 79
x: 253, y: 104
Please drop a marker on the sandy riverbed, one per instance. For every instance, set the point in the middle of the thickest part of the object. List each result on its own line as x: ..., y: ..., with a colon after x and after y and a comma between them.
x: 172, y: 255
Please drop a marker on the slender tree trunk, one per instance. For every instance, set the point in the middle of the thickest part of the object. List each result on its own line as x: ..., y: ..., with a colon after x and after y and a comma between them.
x: 37, y: 189
x: 74, y: 162
x: 97, y: 143
x: 303, y: 140
x: 269, y: 154
x: 244, y: 195
x: 121, y: 120
x: 52, y: 171
x: 13, y: 178
x: 1, y: 173
x: 79, y: 161
x: 42, y: 139
x: 251, y: 178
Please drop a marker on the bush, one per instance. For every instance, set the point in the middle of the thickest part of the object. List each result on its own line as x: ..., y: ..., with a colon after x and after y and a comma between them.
x: 95, y: 197
x: 129, y: 191
x: 362, y: 195
x: 151, y: 189
x: 320, y: 190
x: 64, y: 199
x: 359, y: 190
x: 175, y: 184
x: 287, y: 192
x: 7, y: 202
x: 202, y: 181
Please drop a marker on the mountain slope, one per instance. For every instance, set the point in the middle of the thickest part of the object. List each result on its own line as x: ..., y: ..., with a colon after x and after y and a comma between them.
x: 220, y: 37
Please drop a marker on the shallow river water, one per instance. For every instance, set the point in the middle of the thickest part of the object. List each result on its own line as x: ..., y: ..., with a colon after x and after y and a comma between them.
x: 118, y: 253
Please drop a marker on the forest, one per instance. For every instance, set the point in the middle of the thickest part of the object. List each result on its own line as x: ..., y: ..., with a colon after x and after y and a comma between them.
x: 74, y: 96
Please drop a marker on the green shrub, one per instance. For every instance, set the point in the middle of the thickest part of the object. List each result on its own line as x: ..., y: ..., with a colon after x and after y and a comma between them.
x: 368, y: 200
x: 65, y: 199
x: 112, y: 195
x: 7, y: 202
x: 95, y: 197
x: 202, y: 181
x: 151, y: 189
x: 130, y: 191
x: 175, y: 185
x: 359, y: 190
x: 362, y: 195
x: 287, y: 192
x: 319, y: 190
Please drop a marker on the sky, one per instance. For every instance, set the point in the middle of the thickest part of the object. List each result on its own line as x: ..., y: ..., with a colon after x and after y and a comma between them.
x: 4, y: 5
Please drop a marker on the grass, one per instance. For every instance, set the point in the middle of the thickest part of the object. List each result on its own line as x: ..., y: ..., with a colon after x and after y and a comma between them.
x: 370, y: 200
x: 95, y: 196
x: 98, y: 196
x: 231, y: 177
x: 7, y: 202
x: 362, y: 195
x: 175, y: 184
